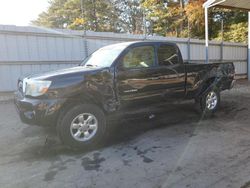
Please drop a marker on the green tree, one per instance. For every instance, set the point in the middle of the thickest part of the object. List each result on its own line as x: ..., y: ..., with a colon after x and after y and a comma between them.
x: 96, y: 15
x: 235, y: 33
x: 194, y: 13
x: 235, y: 25
x: 131, y: 16
x: 156, y: 13
x: 179, y: 18
x: 167, y: 16
x: 54, y: 16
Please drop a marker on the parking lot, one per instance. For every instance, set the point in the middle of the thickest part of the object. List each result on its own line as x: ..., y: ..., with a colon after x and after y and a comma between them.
x: 165, y: 146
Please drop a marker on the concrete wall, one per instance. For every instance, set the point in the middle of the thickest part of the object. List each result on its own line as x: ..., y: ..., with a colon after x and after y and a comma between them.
x: 27, y: 50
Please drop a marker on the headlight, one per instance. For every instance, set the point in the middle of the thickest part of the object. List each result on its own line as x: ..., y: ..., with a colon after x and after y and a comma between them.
x: 36, y: 88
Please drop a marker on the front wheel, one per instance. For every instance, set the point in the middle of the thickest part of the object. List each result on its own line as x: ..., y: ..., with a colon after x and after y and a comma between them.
x: 82, y: 126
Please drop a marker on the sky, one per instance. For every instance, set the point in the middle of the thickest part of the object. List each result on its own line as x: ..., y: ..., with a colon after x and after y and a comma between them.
x: 21, y: 12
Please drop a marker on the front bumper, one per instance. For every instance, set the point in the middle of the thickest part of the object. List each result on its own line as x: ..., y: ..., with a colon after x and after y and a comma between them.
x: 37, y: 111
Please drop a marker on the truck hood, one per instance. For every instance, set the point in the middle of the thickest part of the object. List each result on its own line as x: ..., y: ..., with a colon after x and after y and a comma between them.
x: 63, y: 73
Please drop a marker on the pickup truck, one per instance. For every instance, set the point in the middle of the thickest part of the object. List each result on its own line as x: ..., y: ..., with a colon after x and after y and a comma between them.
x: 78, y: 100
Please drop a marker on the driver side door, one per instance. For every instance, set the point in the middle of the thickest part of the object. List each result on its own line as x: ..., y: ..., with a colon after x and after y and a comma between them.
x: 137, y: 74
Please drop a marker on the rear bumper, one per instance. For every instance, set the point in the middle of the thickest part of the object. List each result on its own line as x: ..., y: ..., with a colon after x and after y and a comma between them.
x: 227, y: 83
x: 40, y: 112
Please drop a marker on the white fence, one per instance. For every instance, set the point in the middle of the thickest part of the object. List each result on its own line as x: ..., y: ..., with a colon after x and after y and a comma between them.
x: 26, y: 50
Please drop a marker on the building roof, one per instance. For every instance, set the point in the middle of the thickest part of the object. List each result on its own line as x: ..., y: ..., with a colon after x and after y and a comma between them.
x: 240, y: 4
x: 13, y: 29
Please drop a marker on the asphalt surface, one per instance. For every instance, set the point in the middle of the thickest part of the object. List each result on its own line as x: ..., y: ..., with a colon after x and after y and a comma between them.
x: 164, y: 146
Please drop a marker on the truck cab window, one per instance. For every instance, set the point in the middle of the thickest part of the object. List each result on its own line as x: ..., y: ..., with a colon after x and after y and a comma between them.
x: 167, y: 55
x: 139, y: 57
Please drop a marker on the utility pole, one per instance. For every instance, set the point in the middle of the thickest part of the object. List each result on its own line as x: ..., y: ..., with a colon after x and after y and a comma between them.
x: 189, y: 45
x: 94, y: 14
x: 85, y: 43
x: 206, y: 34
x: 248, y: 73
x: 222, y: 39
x: 182, y: 8
x: 144, y: 24
x: 82, y: 13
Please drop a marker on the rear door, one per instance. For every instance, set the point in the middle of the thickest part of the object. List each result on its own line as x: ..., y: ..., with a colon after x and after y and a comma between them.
x: 171, y: 71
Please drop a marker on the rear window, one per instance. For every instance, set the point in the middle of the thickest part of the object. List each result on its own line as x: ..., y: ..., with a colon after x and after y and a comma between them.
x: 167, y: 55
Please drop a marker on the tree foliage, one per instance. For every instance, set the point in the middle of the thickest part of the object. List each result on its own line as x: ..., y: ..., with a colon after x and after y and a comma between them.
x: 130, y: 16
x: 235, y: 33
x: 180, y: 18
x: 167, y: 17
x: 195, y: 18
x: 96, y: 15
x: 235, y: 25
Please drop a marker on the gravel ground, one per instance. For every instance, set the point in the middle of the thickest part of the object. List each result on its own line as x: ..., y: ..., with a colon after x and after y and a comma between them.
x: 172, y: 148
x: 6, y: 96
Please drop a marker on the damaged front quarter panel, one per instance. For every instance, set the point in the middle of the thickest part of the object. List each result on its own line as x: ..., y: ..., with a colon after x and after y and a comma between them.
x: 101, y: 87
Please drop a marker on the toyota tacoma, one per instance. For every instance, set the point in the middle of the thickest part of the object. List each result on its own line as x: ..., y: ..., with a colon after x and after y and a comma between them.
x: 78, y: 100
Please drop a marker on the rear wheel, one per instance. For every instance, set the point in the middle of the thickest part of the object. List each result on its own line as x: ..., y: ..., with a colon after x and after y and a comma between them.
x: 82, y: 126
x: 209, y: 102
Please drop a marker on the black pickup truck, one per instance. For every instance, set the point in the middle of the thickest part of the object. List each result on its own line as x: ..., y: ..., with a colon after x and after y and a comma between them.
x: 78, y: 100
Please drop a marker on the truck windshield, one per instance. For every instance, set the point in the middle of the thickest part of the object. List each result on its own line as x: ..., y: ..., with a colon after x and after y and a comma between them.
x: 103, y: 57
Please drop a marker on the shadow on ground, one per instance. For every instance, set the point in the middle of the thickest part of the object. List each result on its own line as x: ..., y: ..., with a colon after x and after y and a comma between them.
x: 126, y: 128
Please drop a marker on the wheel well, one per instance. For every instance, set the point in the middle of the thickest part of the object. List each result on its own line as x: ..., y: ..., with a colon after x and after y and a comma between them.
x: 209, y: 81
x: 206, y: 85
x: 74, y: 101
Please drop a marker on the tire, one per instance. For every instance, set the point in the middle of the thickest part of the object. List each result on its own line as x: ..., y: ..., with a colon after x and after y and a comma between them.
x: 209, y: 102
x: 82, y: 126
